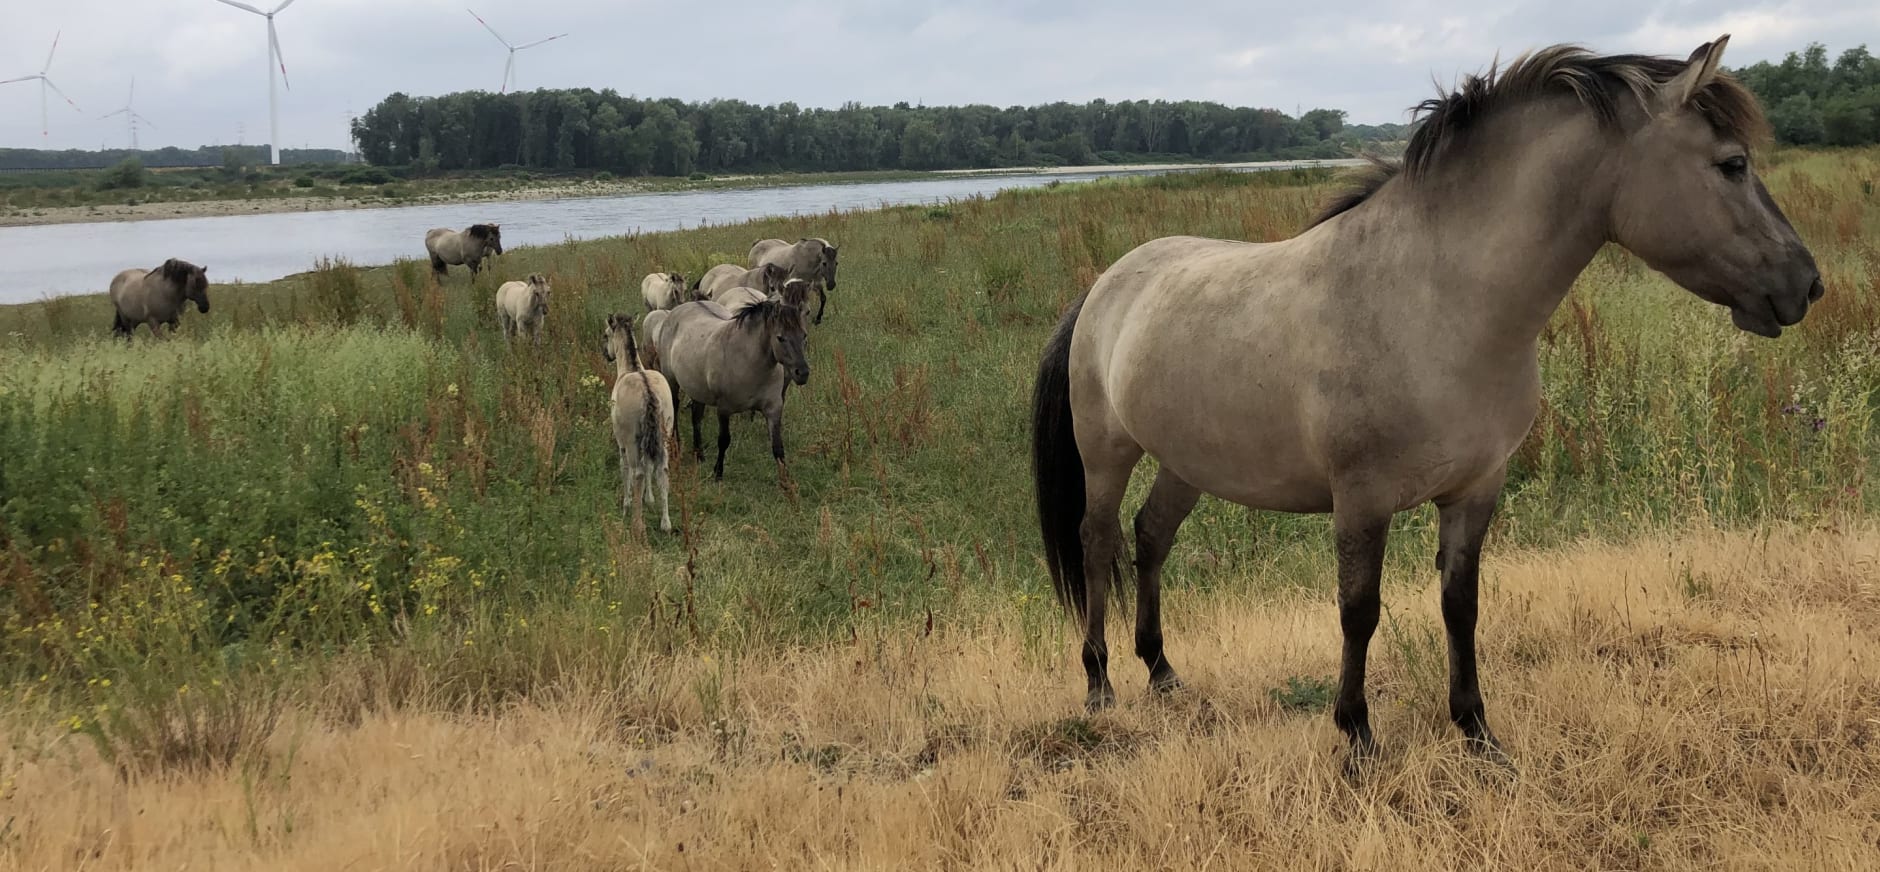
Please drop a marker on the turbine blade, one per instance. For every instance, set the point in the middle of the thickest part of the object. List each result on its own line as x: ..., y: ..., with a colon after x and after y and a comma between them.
x: 239, y: 5
x: 55, y: 90
x: 49, y: 54
x: 144, y: 121
x: 133, y: 97
x: 486, y: 26
x: 112, y: 114
x: 274, y: 44
x: 284, y: 5
x: 540, y: 41
x: 509, y: 71
x: 20, y: 79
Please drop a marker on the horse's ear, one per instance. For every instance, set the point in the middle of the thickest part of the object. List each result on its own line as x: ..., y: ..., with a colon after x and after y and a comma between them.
x: 1698, y: 73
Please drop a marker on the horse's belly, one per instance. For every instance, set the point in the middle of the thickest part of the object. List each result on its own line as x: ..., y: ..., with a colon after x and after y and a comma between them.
x: 1263, y: 464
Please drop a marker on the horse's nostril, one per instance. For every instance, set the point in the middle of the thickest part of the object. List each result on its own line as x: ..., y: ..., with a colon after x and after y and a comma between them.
x: 1816, y: 290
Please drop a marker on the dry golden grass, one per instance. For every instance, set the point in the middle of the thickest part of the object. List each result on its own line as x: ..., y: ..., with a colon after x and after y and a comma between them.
x: 1704, y: 701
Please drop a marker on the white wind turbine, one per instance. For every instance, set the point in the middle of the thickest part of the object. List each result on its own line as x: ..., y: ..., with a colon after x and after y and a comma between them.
x: 274, y: 60
x: 130, y: 115
x: 44, y: 84
x: 509, y: 69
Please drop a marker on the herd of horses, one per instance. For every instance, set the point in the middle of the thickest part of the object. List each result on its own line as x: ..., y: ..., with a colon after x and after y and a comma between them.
x: 733, y: 341
x: 1384, y: 358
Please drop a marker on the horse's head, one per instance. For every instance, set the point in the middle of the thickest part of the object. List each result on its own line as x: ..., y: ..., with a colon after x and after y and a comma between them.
x: 827, y: 262
x: 190, y: 280
x: 676, y: 282
x: 617, y: 339
x: 490, y: 235
x: 775, y: 275
x: 789, y: 341
x: 1690, y: 204
x: 538, y: 295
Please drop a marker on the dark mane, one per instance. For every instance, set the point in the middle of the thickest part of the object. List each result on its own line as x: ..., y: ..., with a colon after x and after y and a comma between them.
x: 1599, y: 82
x: 770, y: 308
x: 481, y: 232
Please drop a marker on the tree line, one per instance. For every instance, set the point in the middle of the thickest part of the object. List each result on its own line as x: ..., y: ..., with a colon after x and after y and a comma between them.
x: 1813, y: 102
x: 156, y: 158
x: 602, y: 130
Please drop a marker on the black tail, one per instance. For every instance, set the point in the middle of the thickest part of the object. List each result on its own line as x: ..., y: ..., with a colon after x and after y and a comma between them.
x: 652, y: 442
x: 1057, y: 468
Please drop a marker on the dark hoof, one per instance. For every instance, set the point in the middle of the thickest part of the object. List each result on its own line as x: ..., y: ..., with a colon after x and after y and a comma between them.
x: 1166, y: 683
x: 1486, y: 748
x: 1099, y: 700
x: 1361, y: 755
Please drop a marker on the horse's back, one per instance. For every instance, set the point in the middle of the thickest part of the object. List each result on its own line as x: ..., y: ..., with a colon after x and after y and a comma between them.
x: 767, y: 250
x: 720, y: 278
x: 127, y: 291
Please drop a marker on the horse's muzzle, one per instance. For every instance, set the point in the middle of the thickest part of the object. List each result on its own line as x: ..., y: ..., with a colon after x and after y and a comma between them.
x: 801, y: 376
x: 203, y: 307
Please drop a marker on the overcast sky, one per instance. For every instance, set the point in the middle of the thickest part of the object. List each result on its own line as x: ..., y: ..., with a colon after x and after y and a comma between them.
x: 200, y: 65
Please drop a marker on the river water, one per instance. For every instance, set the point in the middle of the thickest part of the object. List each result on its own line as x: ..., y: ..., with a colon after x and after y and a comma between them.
x: 61, y: 259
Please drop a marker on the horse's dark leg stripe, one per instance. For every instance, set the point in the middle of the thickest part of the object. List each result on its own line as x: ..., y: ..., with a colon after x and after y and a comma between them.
x: 1359, y: 535
x: 1169, y: 503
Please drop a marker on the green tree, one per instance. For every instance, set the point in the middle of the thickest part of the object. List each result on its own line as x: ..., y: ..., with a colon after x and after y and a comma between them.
x: 128, y: 174
x: 1797, y: 120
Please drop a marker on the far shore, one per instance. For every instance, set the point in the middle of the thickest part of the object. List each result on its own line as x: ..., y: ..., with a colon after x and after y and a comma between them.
x: 160, y: 211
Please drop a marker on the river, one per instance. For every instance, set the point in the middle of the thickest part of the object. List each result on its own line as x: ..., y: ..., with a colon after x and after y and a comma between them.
x: 63, y: 259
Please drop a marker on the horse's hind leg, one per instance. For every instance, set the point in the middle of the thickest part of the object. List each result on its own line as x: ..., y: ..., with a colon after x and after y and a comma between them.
x: 1169, y: 503
x: 439, y: 269
x: 1106, y: 477
x: 1464, y: 524
x: 665, y: 512
x: 698, y: 430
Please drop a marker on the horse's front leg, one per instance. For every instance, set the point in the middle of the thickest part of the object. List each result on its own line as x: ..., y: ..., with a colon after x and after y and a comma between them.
x: 724, y: 444
x: 1464, y: 524
x: 1360, y: 528
x: 774, y: 415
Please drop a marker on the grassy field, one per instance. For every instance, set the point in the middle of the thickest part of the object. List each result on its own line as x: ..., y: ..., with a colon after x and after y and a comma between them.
x: 338, y: 519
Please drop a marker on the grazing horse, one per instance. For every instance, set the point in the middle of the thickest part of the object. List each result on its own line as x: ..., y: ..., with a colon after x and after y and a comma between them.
x: 662, y: 290
x: 643, y: 420
x: 1388, y: 356
x: 523, y: 306
x: 156, y: 297
x: 469, y: 246
x: 725, y: 276
x: 734, y: 363
x: 811, y: 259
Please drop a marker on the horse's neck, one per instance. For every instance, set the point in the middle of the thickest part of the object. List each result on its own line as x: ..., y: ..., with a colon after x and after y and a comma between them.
x: 625, y: 365
x: 1502, y: 227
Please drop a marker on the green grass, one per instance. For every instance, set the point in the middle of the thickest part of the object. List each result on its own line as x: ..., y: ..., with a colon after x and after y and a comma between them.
x: 347, y: 471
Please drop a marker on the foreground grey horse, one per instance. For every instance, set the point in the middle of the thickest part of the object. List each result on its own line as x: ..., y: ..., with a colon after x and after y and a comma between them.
x: 811, y: 259
x: 156, y: 297
x: 1387, y: 356
x: 468, y: 246
x: 732, y: 362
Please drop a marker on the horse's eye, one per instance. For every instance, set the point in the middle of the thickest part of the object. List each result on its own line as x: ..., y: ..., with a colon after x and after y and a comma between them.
x: 1735, y: 168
